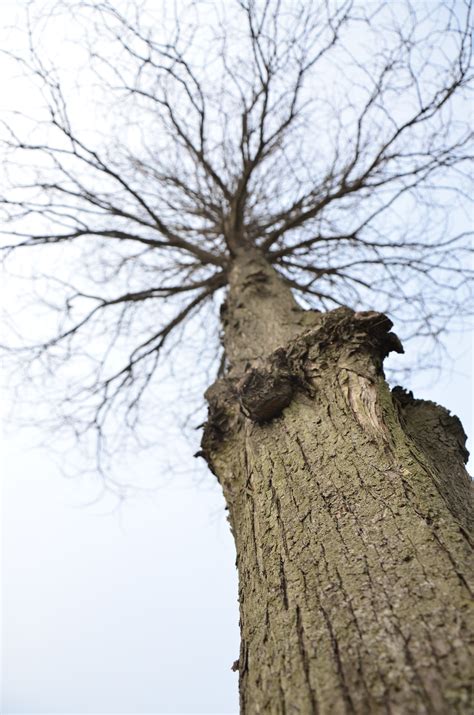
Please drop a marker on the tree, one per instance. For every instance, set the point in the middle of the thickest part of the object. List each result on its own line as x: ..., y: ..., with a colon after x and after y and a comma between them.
x: 304, y: 157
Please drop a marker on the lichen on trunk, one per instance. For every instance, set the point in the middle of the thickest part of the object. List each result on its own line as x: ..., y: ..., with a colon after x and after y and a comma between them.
x: 350, y: 509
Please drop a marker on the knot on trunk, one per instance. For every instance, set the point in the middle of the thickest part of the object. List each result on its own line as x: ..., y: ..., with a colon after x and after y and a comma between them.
x: 256, y: 279
x: 264, y: 393
x: 434, y: 429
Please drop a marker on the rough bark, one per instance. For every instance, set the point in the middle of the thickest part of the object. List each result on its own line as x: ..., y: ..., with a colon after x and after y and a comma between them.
x: 350, y: 509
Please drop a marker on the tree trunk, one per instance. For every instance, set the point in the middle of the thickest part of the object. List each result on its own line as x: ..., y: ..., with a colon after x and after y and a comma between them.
x: 350, y: 510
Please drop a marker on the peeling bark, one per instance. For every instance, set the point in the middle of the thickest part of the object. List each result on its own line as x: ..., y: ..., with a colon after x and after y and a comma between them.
x: 350, y: 510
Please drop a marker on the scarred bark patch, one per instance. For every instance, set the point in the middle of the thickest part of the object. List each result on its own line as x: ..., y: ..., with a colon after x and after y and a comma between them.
x: 362, y: 396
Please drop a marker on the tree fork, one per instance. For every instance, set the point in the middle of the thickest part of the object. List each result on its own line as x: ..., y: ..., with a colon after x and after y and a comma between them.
x: 350, y: 509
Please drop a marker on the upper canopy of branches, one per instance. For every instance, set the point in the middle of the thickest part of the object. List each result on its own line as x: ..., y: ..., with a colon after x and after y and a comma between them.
x: 327, y: 133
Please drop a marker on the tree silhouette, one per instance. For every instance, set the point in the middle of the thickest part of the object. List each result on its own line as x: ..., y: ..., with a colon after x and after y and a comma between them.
x: 278, y: 150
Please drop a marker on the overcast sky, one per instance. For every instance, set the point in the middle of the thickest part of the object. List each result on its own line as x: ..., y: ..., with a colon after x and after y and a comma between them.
x: 133, y: 611
x: 129, y: 608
